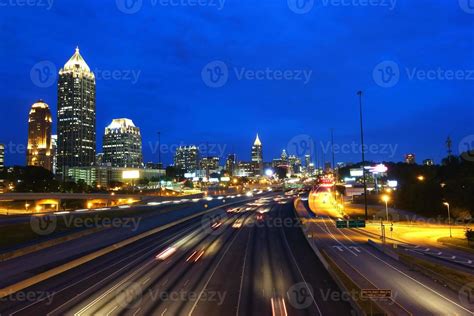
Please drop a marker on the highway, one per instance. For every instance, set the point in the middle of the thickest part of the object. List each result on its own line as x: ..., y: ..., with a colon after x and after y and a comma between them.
x: 411, y: 291
x: 253, y: 260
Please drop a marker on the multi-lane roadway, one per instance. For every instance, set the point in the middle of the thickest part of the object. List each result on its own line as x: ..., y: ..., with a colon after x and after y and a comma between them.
x: 247, y: 259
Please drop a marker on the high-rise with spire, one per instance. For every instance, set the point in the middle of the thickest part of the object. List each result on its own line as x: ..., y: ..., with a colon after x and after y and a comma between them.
x: 76, y: 115
x: 257, y: 156
x: 39, y: 151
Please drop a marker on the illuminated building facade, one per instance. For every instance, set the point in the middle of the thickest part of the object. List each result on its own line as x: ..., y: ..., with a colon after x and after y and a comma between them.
x: 54, y: 148
x: 257, y: 156
x: 209, y: 165
x: 187, y: 158
x: 230, y: 164
x: 76, y: 115
x: 410, y: 159
x: 122, y: 144
x: 40, y: 147
x: 2, y: 156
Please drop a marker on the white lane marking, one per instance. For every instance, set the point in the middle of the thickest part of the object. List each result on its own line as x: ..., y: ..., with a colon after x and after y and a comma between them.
x: 338, y: 248
x: 212, y: 274
x: 176, y: 236
x: 332, y: 236
x: 112, y: 310
x: 355, y: 248
x: 243, y: 274
x: 416, y: 281
x: 299, y: 270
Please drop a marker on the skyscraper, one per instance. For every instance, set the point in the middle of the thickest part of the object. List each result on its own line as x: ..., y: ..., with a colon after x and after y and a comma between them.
x: 54, y: 148
x: 40, y: 149
x: 2, y: 156
x: 257, y: 156
x: 122, y: 144
x: 230, y: 164
x: 76, y: 114
x: 187, y: 158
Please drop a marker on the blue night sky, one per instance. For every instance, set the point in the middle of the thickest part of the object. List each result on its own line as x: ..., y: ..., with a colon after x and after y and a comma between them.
x: 151, y: 67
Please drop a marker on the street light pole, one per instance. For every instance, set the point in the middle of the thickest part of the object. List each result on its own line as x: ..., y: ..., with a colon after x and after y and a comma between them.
x: 359, y: 93
x: 386, y: 208
x: 449, y: 219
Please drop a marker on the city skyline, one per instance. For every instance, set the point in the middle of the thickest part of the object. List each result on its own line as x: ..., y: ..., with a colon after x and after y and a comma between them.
x: 170, y: 68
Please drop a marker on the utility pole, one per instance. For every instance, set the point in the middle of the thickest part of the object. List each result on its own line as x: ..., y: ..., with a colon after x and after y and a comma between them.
x: 160, y: 166
x: 332, y: 152
x: 359, y: 93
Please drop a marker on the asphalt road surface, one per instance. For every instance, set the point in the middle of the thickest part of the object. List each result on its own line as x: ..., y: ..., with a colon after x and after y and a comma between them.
x: 252, y: 261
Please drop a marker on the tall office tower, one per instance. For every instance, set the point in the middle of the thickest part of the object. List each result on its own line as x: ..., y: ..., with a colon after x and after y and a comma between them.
x: 122, y: 144
x: 2, y: 156
x: 76, y: 115
x: 230, y: 164
x: 54, y: 149
x: 209, y: 164
x: 40, y: 149
x: 284, y: 155
x: 187, y: 158
x: 257, y: 156
x: 307, y: 160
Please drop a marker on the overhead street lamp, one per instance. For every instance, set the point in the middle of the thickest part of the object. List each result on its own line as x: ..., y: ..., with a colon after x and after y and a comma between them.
x: 386, y: 198
x: 449, y: 219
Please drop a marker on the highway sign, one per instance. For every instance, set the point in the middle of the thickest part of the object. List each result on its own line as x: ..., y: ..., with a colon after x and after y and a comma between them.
x: 350, y: 224
x: 376, y: 293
